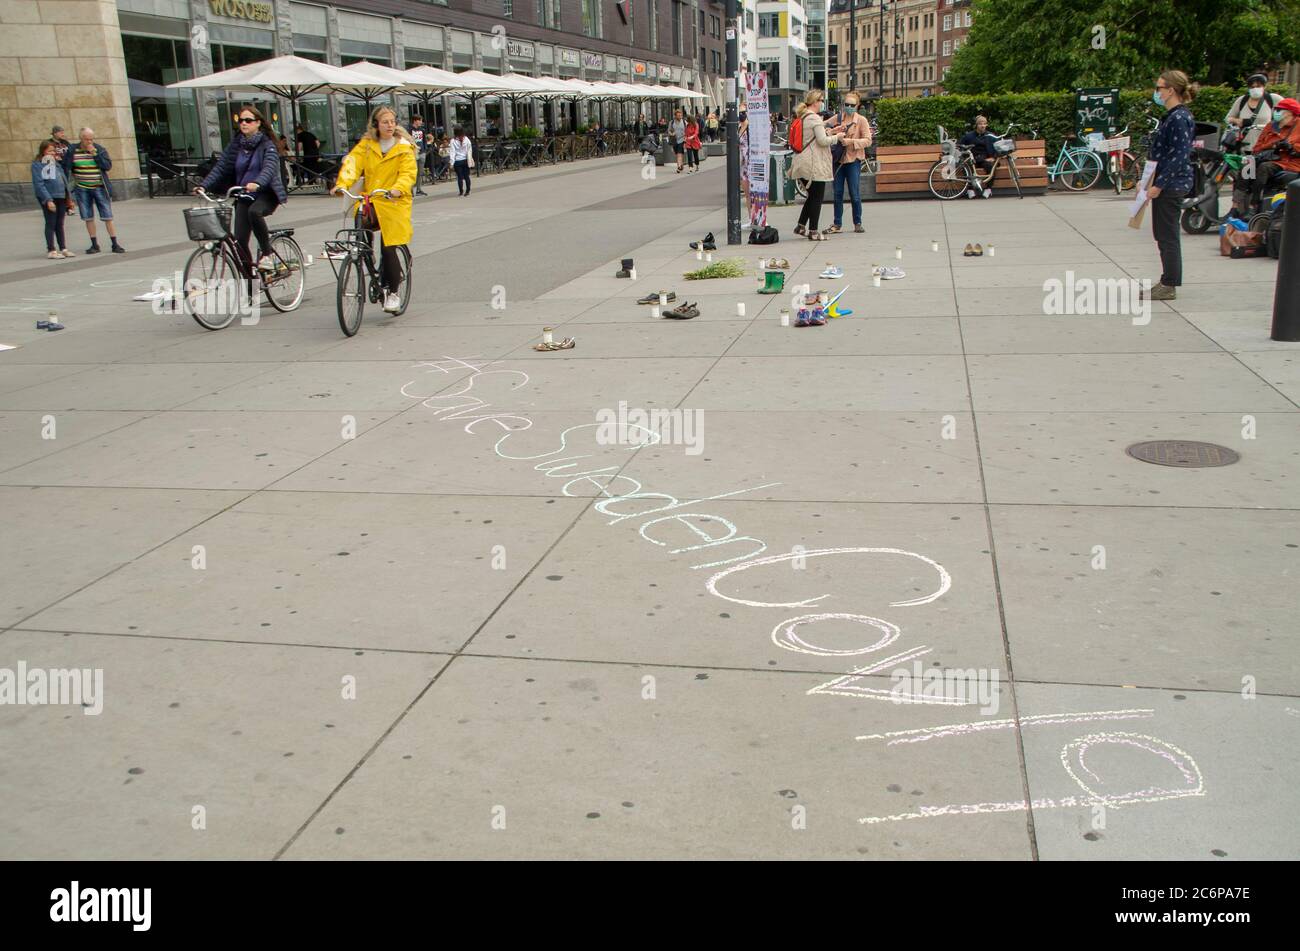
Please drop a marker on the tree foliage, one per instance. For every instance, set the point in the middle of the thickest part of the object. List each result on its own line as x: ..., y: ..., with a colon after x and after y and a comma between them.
x: 1047, y: 45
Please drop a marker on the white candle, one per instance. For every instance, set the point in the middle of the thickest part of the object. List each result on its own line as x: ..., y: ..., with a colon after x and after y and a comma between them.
x: 934, y: 245
x: 785, y: 317
x: 546, y: 335
x: 634, y: 274
x: 991, y: 252
x: 663, y: 299
x: 654, y: 311
x: 898, y: 253
x: 708, y: 256
x: 762, y: 264
x: 875, y: 279
x: 740, y: 308
x: 699, y: 255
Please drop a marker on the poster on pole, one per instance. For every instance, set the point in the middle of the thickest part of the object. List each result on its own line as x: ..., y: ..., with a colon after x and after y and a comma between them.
x: 760, y: 145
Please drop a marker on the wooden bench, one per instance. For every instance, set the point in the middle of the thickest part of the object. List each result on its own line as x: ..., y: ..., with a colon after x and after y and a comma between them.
x: 905, y: 170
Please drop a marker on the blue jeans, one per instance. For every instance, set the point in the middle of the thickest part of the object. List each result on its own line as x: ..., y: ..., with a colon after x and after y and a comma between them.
x: 91, y: 199
x: 851, y: 173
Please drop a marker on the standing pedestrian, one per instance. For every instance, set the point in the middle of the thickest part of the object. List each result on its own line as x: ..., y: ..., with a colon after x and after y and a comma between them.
x: 813, y: 164
x: 60, y: 140
x: 282, y: 149
x: 50, y: 182
x: 1171, y: 150
x: 251, y: 161
x: 309, y: 147
x: 462, y: 159
x: 855, y: 134
x: 87, y: 165
x: 420, y: 139
x: 692, y: 143
x: 711, y: 126
x: 1254, y: 111
x: 677, y: 135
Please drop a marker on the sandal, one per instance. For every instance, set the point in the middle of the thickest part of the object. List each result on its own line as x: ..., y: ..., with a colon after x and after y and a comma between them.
x: 816, y: 236
x: 800, y: 229
x: 566, y: 344
x: 833, y: 229
x: 685, y: 312
x: 783, y: 264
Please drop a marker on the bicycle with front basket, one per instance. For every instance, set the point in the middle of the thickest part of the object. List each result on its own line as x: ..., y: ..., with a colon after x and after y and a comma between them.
x: 351, y: 254
x: 956, y: 173
x: 219, y: 266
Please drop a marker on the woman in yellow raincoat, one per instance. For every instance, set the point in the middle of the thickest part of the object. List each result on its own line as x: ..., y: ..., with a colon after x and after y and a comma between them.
x: 385, y: 158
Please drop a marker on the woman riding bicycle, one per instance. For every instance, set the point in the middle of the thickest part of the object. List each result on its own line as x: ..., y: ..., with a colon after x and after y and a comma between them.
x: 252, y: 162
x: 385, y: 158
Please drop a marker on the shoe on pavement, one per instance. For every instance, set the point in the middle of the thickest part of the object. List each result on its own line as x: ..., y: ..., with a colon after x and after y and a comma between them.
x: 54, y: 325
x: 392, y: 302
x: 54, y: 254
x: 93, y: 249
x: 42, y: 325
x: 801, y: 319
x: 686, y: 311
x: 708, y: 244
x: 969, y: 251
x: 858, y: 228
x: 888, y: 273
x: 832, y: 272
x: 1160, y: 292
x: 118, y: 249
x: 653, y: 298
x: 978, y: 252
x: 68, y: 253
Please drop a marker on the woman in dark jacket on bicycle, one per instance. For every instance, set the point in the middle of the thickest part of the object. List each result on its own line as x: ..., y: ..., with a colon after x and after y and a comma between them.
x: 1171, y: 150
x: 251, y: 161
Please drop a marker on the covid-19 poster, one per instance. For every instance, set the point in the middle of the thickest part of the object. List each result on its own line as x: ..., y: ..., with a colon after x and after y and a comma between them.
x: 760, y: 144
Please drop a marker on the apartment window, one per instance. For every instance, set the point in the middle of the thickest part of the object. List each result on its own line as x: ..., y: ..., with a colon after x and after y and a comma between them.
x: 555, y: 22
x: 508, y: 8
x: 591, y: 19
x: 947, y: 47
x: 717, y: 25
x: 652, y: 14
x: 769, y: 24
x: 947, y: 22
x: 967, y: 16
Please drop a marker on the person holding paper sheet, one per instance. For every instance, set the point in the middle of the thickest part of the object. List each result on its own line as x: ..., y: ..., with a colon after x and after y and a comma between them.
x: 1171, y: 150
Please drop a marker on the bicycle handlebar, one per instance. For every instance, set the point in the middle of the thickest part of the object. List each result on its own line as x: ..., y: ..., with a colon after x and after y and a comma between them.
x: 372, y: 192
x: 230, y: 192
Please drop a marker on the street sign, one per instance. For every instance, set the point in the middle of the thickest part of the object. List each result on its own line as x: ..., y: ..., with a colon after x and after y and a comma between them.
x: 731, y: 34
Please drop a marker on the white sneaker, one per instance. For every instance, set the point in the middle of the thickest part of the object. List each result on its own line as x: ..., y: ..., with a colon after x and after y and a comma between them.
x: 832, y: 272
x: 887, y: 273
x: 68, y: 253
x: 392, y: 303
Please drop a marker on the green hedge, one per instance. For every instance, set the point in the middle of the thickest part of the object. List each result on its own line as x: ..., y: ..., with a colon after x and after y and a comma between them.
x: 916, y: 121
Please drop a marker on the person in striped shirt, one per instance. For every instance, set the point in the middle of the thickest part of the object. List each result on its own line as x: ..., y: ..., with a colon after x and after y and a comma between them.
x: 87, y: 164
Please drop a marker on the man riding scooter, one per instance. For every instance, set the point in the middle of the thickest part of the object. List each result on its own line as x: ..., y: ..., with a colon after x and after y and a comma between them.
x: 1277, y: 151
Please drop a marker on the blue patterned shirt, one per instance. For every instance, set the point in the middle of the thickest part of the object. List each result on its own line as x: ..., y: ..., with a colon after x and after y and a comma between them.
x: 1171, y: 148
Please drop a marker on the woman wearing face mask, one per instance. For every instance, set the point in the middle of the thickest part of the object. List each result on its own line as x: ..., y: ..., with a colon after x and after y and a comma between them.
x: 1253, y: 111
x: 813, y: 164
x: 1171, y: 150
x: 1278, y: 151
x: 51, y: 186
x: 855, y: 134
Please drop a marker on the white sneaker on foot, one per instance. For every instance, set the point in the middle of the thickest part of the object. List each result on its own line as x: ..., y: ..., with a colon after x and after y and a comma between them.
x: 392, y: 303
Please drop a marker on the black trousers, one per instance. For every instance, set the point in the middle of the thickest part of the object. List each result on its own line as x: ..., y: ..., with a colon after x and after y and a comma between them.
x: 812, y: 206
x: 390, y: 268
x: 462, y: 176
x: 250, y: 216
x: 54, y: 225
x: 1164, y: 227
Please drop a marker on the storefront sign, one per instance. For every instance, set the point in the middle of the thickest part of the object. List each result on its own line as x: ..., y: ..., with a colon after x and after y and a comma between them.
x: 243, y: 10
x: 568, y: 57
x: 593, y: 60
x: 638, y: 68
x: 666, y: 72
x: 520, y: 50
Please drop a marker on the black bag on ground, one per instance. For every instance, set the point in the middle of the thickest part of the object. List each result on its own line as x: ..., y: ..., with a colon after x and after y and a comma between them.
x: 764, y: 235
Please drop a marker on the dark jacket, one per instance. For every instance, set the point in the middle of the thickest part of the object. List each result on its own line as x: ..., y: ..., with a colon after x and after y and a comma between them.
x: 49, y: 189
x: 265, y: 156
x: 101, y: 159
x: 1171, y: 149
x: 981, y: 146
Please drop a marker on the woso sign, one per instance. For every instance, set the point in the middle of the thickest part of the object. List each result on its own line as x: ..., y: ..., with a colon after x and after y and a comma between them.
x: 242, y: 10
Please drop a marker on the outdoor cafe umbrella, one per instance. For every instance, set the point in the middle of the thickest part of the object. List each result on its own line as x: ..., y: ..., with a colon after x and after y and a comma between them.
x: 378, y: 81
x: 291, y: 77
x: 476, y: 85
x: 427, y: 83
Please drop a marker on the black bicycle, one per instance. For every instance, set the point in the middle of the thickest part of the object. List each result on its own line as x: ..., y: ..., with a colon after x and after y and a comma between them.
x: 218, y: 280
x: 351, y: 254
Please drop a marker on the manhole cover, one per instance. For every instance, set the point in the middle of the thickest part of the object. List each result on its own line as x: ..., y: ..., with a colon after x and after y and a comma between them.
x: 1186, y: 455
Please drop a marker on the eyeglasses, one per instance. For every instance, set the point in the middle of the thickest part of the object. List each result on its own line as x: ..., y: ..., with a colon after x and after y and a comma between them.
x: 243, y: 119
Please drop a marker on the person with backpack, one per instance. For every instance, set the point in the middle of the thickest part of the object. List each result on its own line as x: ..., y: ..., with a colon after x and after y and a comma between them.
x: 811, y: 144
x: 1254, y: 111
x: 1171, y: 150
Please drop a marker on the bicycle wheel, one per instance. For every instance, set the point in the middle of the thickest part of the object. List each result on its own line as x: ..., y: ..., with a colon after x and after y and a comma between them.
x: 351, y: 296
x: 945, y: 188
x: 1081, y: 170
x: 212, y: 287
x: 285, y: 285
x: 404, y: 262
x: 1129, y: 170
x: 1195, y: 221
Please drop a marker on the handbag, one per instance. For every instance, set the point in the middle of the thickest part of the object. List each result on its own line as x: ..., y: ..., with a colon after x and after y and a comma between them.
x: 470, y: 155
x: 369, y: 218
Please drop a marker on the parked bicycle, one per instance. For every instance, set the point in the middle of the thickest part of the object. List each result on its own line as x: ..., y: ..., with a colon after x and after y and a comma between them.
x: 218, y: 278
x: 351, y: 254
x: 957, y: 173
x: 1124, y: 163
x: 1077, y: 165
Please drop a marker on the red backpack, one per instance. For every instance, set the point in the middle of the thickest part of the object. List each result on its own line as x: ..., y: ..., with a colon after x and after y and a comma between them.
x: 796, y: 134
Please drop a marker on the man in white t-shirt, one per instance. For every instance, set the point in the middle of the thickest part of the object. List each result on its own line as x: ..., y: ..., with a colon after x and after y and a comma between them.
x: 1254, y: 110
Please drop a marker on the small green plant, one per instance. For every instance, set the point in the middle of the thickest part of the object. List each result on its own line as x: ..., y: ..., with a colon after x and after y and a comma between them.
x: 525, y: 133
x: 728, y: 267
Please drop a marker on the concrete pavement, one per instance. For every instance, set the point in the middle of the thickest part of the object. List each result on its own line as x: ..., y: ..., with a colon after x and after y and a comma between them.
x: 397, y: 595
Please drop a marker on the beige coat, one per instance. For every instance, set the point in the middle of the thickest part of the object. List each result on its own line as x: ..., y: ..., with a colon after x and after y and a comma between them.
x: 813, y: 164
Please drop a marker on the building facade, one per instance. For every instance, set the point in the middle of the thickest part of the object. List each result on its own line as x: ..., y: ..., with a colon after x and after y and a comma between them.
x: 954, y: 25
x: 107, y: 64
x: 893, y: 49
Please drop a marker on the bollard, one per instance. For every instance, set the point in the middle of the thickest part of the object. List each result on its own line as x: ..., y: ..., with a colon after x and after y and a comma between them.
x: 1286, y: 296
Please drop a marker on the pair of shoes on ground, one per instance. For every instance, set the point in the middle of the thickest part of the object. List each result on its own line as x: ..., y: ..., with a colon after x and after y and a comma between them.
x: 1159, y: 292
x: 116, y: 249
x: 708, y: 244
x: 778, y: 264
x: 832, y: 272
x: 810, y: 318
x: 887, y: 273
x: 48, y: 325
x: 973, y: 251
x: 686, y: 311
x: 653, y: 298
